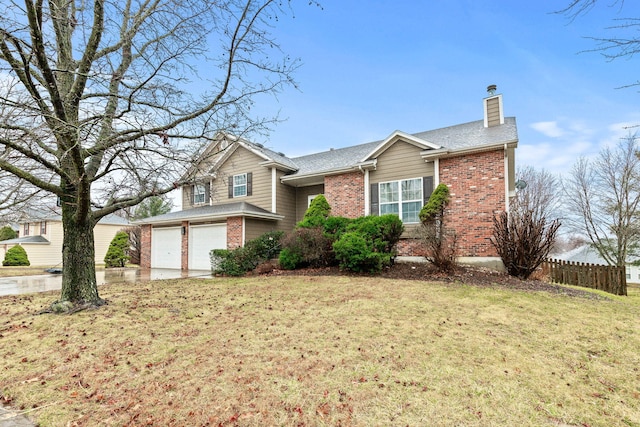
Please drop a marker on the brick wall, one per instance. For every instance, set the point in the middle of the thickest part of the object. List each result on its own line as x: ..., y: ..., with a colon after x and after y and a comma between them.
x: 234, y: 232
x: 145, y: 246
x: 345, y: 194
x: 184, y: 248
x: 477, y: 186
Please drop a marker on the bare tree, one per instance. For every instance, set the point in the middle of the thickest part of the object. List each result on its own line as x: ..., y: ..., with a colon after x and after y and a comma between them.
x: 604, y: 196
x: 524, y: 236
x: 624, y: 41
x: 106, y: 103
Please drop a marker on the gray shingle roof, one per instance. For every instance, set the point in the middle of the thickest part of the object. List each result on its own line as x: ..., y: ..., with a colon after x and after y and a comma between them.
x: 211, y: 212
x: 25, y: 239
x: 452, y: 138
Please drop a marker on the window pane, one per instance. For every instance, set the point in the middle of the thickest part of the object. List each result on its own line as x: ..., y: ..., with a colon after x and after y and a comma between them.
x: 390, y: 208
x: 240, y: 191
x: 410, y: 211
x: 240, y: 179
x: 389, y: 192
x: 412, y: 189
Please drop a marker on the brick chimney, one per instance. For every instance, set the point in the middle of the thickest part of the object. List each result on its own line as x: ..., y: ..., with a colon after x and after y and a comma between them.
x: 493, y: 113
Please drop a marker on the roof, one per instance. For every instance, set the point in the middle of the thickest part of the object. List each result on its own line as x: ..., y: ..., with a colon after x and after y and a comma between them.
x: 211, y: 213
x: 585, y: 254
x: 26, y: 239
x: 32, y: 215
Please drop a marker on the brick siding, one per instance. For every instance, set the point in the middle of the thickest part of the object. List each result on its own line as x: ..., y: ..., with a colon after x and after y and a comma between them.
x: 477, y: 187
x: 145, y: 246
x: 345, y: 194
x: 234, y: 232
x: 184, y: 248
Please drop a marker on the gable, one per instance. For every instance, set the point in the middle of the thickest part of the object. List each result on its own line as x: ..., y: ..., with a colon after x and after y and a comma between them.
x: 401, y: 160
x: 398, y: 136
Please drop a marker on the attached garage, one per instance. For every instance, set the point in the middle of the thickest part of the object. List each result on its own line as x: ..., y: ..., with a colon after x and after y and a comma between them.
x: 202, y: 239
x: 166, y: 247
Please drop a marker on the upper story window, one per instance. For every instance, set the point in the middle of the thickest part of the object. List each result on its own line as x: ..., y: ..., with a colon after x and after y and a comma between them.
x: 403, y: 198
x: 26, y: 230
x: 199, y: 193
x: 240, y: 185
x: 43, y: 228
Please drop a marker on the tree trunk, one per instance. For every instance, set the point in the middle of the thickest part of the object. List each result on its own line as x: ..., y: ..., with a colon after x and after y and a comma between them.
x: 78, y: 260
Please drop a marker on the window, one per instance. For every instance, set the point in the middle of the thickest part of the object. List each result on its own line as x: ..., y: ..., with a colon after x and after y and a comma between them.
x: 26, y: 229
x: 403, y: 198
x: 199, y: 191
x: 310, y: 199
x: 240, y: 185
x: 43, y: 228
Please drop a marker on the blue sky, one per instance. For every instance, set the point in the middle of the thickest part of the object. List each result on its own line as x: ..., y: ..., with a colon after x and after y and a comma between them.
x: 371, y: 67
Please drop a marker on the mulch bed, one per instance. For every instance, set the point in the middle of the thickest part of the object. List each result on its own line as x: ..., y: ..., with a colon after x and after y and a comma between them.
x: 472, y: 276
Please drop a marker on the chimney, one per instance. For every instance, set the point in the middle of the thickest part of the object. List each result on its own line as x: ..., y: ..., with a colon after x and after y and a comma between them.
x: 493, y: 114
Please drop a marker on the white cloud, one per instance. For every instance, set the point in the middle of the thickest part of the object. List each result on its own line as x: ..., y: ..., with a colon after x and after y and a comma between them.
x: 549, y: 129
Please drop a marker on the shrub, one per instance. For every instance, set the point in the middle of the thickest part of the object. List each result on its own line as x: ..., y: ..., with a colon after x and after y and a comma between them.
x: 117, y: 254
x: 7, y: 233
x: 238, y: 261
x: 16, y: 256
x: 441, y: 243
x: 383, y: 232
x: 335, y: 226
x: 267, y: 246
x: 306, y: 247
x: 354, y: 253
x: 318, y: 211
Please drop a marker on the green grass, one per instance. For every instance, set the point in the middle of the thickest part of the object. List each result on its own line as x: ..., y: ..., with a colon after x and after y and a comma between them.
x: 324, y: 351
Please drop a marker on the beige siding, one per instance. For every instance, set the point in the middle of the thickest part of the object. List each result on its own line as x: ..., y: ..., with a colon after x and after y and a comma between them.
x: 256, y: 228
x: 285, y: 204
x: 302, y: 198
x: 243, y: 161
x: 50, y: 254
x: 493, y: 112
x: 400, y: 161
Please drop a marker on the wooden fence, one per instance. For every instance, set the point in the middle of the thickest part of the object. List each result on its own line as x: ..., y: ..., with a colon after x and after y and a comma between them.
x: 602, y: 277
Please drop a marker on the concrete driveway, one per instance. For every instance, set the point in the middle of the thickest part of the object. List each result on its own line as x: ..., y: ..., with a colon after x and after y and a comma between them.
x: 52, y: 282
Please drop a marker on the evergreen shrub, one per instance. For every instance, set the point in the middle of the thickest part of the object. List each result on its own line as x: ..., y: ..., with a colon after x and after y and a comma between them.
x: 16, y: 256
x: 118, y: 253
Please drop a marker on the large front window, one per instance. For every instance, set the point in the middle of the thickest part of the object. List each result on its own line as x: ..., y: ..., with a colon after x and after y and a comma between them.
x: 240, y: 185
x: 403, y: 198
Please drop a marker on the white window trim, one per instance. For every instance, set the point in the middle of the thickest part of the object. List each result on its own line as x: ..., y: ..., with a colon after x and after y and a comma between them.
x: 199, y: 190
x: 400, y: 201
x: 310, y: 198
x: 245, y: 185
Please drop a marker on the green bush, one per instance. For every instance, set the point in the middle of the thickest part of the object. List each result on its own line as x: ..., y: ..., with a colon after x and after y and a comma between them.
x: 238, y: 261
x: 354, y: 253
x: 16, y: 256
x: 7, y: 233
x: 118, y: 252
x: 305, y: 247
x: 383, y: 232
x: 434, y: 208
x: 318, y: 211
x: 335, y: 226
x: 289, y: 260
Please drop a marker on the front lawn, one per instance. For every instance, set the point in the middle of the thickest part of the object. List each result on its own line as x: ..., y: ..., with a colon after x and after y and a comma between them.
x: 333, y: 350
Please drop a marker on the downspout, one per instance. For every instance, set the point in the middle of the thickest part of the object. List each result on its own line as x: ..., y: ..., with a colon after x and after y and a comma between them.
x: 436, y: 172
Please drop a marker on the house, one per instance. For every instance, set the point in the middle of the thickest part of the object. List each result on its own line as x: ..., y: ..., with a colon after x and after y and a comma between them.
x: 587, y: 254
x: 40, y: 234
x: 241, y: 190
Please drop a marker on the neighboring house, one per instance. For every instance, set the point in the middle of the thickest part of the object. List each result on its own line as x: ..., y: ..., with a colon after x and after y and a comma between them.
x: 40, y: 234
x: 241, y: 190
x: 587, y: 254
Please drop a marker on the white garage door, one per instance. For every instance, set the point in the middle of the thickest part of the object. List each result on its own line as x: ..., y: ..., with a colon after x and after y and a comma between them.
x: 166, y: 247
x: 203, y: 238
